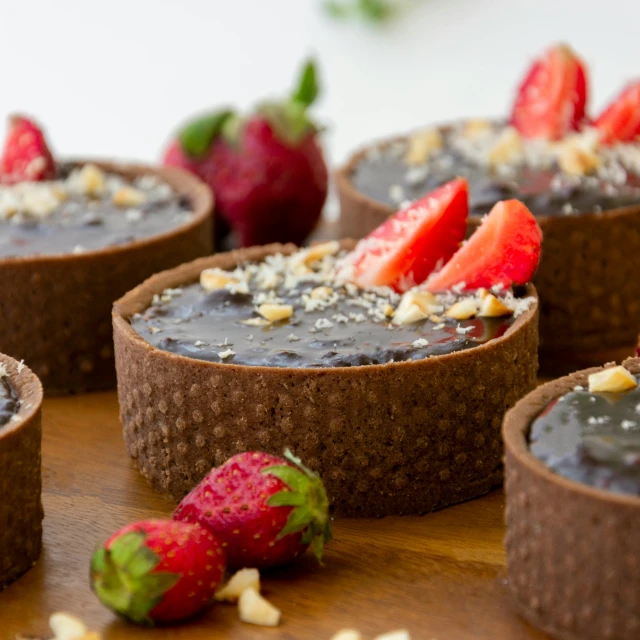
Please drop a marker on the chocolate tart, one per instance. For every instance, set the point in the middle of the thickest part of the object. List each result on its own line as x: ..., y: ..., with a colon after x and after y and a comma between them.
x: 573, y: 550
x: 20, y: 480
x: 589, y: 308
x: 395, y: 438
x: 56, y: 307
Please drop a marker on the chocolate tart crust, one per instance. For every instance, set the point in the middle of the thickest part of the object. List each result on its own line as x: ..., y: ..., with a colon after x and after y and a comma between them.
x: 586, y: 277
x: 573, y: 551
x: 407, y: 437
x: 21, y: 511
x: 55, y: 311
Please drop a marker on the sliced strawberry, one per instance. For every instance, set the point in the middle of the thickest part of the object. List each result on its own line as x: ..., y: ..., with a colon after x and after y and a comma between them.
x: 404, y: 250
x: 26, y: 156
x: 620, y: 121
x: 551, y: 101
x: 505, y: 250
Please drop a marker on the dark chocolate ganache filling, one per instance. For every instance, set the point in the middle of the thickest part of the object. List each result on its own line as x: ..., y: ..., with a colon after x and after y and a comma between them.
x: 349, y: 327
x: 9, y: 403
x: 592, y: 438
x: 383, y: 174
x: 84, y: 210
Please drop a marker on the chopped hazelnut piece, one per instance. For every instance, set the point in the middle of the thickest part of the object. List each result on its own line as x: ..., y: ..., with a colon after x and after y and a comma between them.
x: 255, y: 322
x: 614, y: 380
x: 274, y: 312
x: 239, y: 582
x: 492, y: 307
x: 347, y: 634
x: 128, y: 197
x: 212, y: 279
x: 301, y: 260
x: 577, y: 160
x: 387, y: 310
x: 508, y: 147
x: 254, y: 609
x: 463, y: 309
x: 321, y: 293
x: 67, y: 627
x: 415, y: 306
x: 91, y: 180
x: 422, y: 144
x: 477, y: 128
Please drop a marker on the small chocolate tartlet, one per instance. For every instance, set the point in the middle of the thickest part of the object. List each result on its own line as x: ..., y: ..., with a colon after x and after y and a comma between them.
x: 586, y: 200
x: 20, y: 478
x: 394, y: 437
x: 573, y: 551
x: 57, y: 300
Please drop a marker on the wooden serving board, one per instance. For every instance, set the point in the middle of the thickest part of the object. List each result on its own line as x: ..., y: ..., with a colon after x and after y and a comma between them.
x: 441, y: 576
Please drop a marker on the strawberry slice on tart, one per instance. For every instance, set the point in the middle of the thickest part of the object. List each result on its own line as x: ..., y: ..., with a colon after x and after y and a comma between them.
x: 551, y: 100
x: 504, y: 250
x: 620, y: 120
x: 405, y: 249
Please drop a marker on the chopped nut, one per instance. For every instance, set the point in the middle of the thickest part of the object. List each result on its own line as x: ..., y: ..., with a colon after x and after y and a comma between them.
x: 508, y: 147
x: 239, y: 581
x: 67, y: 627
x: 347, y: 634
x: 614, y: 380
x: 477, y: 128
x: 128, y: 197
x: 492, y: 307
x: 255, y: 322
x: 321, y: 293
x: 89, y: 180
x: 422, y: 144
x: 401, y: 634
x: 227, y: 353
x: 301, y: 260
x: 254, y: 609
x: 415, y: 306
x: 213, y: 279
x: 408, y: 315
x: 463, y: 309
x: 577, y: 160
x: 274, y: 312
x: 387, y: 310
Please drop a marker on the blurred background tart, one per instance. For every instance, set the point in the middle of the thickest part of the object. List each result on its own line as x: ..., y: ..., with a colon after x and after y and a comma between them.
x: 74, y: 237
x: 20, y: 469
x: 580, y: 177
x: 573, y: 503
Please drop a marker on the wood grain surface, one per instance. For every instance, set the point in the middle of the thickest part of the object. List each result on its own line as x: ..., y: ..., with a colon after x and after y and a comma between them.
x: 441, y: 576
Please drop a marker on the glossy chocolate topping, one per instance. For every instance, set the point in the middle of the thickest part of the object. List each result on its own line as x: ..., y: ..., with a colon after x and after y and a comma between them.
x: 384, y: 175
x: 9, y: 403
x: 593, y: 438
x: 67, y: 216
x: 348, y: 327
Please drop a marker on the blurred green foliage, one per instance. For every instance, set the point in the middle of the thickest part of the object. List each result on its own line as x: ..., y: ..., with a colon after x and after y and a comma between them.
x: 369, y: 10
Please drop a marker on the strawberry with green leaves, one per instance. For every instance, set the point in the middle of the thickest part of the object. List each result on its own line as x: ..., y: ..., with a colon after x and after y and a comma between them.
x: 266, y: 511
x: 158, y: 571
x: 265, y: 168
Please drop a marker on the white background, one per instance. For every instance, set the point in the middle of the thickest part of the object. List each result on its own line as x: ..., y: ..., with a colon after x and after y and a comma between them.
x: 112, y: 78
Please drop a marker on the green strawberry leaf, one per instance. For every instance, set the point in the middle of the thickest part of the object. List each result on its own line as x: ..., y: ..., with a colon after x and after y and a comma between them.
x: 198, y: 135
x: 287, y: 499
x: 298, y: 520
x: 308, y: 88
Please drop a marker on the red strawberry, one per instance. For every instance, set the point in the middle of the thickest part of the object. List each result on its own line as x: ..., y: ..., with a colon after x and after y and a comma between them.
x: 620, y: 121
x: 406, y: 248
x: 26, y: 155
x: 265, y: 510
x: 266, y: 170
x: 504, y: 250
x: 551, y: 100
x: 158, y: 571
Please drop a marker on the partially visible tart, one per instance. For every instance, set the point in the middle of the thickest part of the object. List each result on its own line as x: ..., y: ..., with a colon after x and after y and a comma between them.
x: 20, y: 475
x: 582, y: 184
x: 266, y: 348
x: 573, y: 504
x: 72, y: 244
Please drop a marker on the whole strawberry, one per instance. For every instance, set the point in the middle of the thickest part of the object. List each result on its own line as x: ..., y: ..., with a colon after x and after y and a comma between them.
x: 158, y: 571
x: 26, y: 155
x: 266, y: 169
x: 264, y: 510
